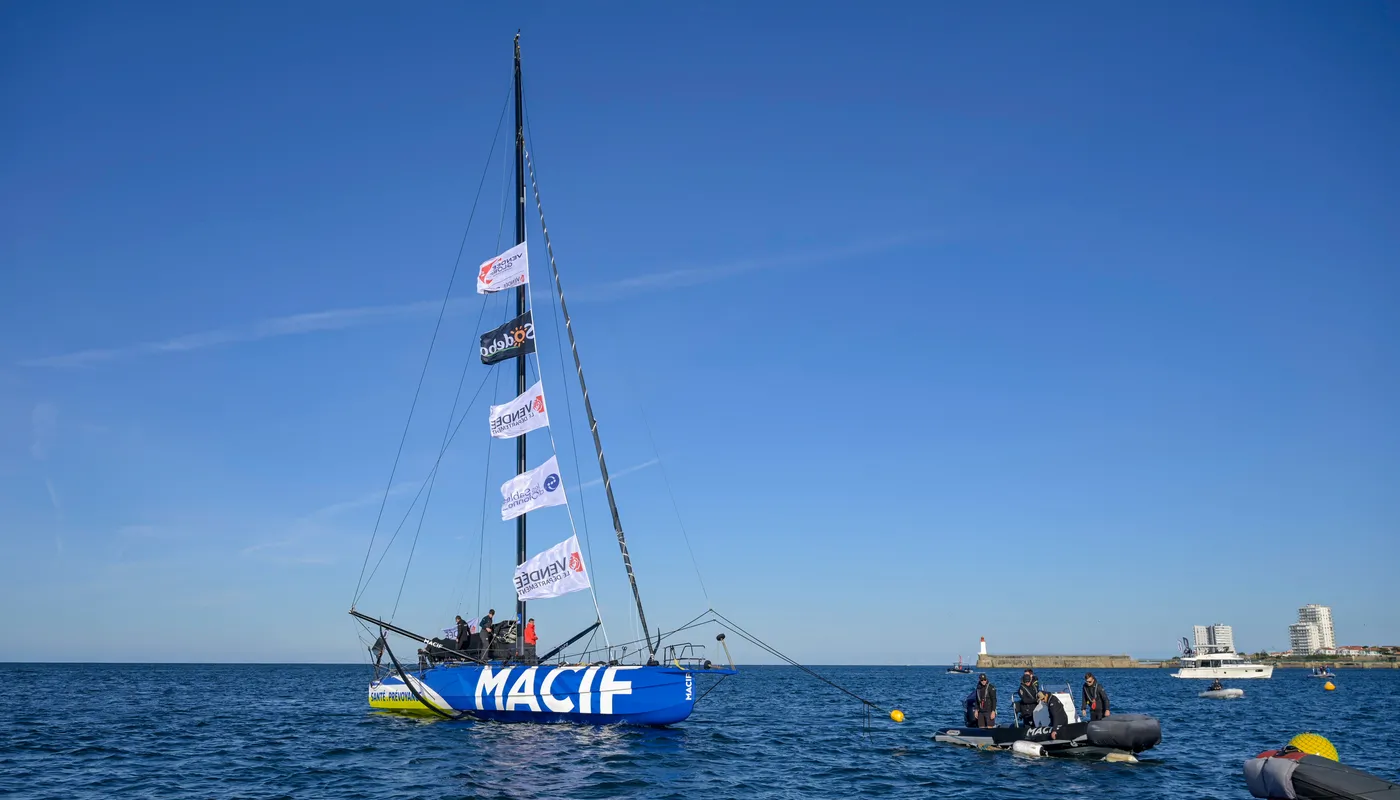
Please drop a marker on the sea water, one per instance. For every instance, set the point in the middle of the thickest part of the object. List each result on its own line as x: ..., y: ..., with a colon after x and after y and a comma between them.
x: 305, y: 731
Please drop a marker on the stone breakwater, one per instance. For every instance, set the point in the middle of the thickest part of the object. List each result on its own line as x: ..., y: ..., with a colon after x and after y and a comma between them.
x: 1128, y: 662
x: 1063, y: 662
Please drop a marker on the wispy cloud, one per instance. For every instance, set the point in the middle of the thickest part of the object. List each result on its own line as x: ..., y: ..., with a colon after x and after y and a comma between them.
x: 693, y: 276
x: 315, y: 525
x: 367, y: 499
x: 293, y: 325
x: 343, y: 318
x: 57, y: 513
x: 43, y: 425
x: 53, y: 496
x: 619, y: 473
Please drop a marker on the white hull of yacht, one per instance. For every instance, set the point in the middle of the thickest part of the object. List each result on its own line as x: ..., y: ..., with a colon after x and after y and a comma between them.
x: 1232, y: 671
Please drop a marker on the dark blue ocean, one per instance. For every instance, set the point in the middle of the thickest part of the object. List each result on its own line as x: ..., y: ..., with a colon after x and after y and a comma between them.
x: 304, y: 731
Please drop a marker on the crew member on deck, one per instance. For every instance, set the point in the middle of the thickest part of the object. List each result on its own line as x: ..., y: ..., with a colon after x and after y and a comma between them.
x: 986, y: 703
x: 530, y: 641
x: 1026, y: 695
x: 1094, y: 698
x: 488, y: 632
x: 464, y: 634
x: 1216, y: 685
x: 1058, y: 715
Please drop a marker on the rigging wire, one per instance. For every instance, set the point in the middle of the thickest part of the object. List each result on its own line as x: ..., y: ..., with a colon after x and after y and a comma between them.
x: 422, y: 487
x: 482, y: 554
x: 592, y: 421
x: 437, y: 327
x: 529, y: 293
x: 446, y: 432
x: 563, y: 374
x: 773, y: 651
x: 666, y: 479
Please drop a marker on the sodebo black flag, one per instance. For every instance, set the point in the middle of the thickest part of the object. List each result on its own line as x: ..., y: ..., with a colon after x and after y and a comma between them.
x: 515, y: 338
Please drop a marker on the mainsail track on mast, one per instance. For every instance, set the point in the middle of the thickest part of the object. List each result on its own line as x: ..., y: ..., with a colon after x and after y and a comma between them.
x: 521, y: 554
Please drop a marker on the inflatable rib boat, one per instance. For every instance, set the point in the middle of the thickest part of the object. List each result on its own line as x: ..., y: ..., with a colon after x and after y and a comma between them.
x: 1290, y: 773
x: 1118, y: 737
x: 1223, y: 694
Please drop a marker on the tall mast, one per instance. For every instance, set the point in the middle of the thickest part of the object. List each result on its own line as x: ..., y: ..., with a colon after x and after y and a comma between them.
x: 520, y: 466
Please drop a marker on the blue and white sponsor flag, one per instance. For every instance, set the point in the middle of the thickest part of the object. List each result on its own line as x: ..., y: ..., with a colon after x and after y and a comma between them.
x: 541, y: 487
x: 558, y: 570
x: 506, y: 271
x: 521, y: 415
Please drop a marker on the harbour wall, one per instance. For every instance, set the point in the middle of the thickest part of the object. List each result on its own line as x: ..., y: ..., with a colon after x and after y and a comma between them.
x: 1062, y: 662
x: 1128, y: 662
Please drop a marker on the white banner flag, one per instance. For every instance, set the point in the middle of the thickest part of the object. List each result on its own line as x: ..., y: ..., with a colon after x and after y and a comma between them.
x: 538, y: 488
x: 558, y: 570
x: 521, y: 415
x: 506, y: 271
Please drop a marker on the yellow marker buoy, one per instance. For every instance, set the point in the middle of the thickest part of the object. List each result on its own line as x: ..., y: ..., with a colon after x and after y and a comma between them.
x: 897, y: 715
x: 1329, y: 686
x: 1315, y: 744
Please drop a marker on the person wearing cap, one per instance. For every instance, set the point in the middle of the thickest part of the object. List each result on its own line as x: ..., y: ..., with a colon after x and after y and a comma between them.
x: 1094, y: 698
x: 986, y: 703
x: 1026, y: 697
x: 1058, y: 715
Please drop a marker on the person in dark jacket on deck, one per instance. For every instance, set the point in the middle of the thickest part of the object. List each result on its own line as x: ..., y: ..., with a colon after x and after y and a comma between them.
x: 1026, y: 695
x: 464, y: 634
x: 986, y: 703
x: 487, y: 630
x: 1094, y: 698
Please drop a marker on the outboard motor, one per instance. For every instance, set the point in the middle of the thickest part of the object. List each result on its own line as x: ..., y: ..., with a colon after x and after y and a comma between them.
x: 970, y: 710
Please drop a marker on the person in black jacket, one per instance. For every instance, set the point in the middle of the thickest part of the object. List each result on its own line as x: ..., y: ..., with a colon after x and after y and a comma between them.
x: 464, y: 634
x: 1094, y: 698
x: 986, y: 703
x: 487, y: 630
x: 1026, y: 695
x: 1058, y: 715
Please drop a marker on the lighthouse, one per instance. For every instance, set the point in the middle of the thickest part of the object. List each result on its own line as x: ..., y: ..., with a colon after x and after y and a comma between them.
x: 982, y: 651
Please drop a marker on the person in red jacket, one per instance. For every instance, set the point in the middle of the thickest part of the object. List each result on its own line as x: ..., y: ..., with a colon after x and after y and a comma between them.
x: 531, y: 639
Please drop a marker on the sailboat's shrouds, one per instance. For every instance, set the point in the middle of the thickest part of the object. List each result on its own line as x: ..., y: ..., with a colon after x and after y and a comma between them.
x: 498, y: 680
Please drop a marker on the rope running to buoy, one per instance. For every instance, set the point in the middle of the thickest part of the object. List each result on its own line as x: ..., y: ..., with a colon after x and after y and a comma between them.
x: 756, y: 642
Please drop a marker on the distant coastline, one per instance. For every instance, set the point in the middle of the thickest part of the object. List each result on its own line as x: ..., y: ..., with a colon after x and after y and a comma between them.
x: 1128, y: 662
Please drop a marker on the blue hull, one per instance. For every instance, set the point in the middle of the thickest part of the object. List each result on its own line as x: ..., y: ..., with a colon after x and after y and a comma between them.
x: 597, y: 695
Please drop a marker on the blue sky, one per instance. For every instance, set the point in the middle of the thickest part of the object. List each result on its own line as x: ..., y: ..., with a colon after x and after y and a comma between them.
x: 1067, y: 326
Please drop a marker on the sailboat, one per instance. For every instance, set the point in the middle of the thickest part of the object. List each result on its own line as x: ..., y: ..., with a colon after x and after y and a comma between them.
x: 491, y: 674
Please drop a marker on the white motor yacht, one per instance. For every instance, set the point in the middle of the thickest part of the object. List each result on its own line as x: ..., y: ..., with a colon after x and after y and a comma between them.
x: 1228, y: 664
